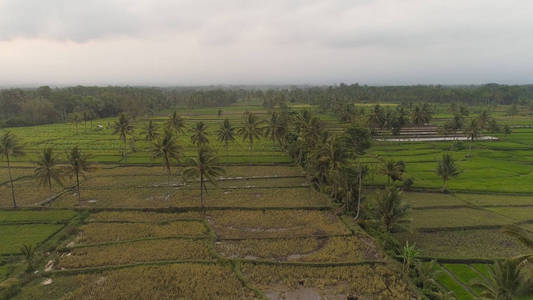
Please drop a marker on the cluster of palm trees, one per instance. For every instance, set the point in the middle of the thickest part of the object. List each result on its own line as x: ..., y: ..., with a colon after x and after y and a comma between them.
x: 48, y: 167
x: 384, y: 118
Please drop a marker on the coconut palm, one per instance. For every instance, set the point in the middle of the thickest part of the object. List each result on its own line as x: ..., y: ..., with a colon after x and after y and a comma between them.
x: 10, y: 147
x: 203, y: 167
x: 393, y: 170
x: 506, y: 280
x: 472, y: 131
x: 75, y: 118
x: 166, y: 148
x: 251, y: 129
x: 176, y: 123
x: 78, y: 166
x: 47, y: 169
x: 446, y: 169
x: 389, y: 208
x: 226, y: 133
x: 150, y: 131
x: 199, y: 134
x: 123, y: 128
x: 483, y: 119
x: 276, y: 128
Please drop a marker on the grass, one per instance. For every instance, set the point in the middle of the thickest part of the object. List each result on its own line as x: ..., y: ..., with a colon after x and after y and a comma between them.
x: 369, y: 282
x: 99, y: 232
x: 448, y: 282
x: 457, y: 217
x: 275, y: 223
x: 13, y: 237
x: 335, y: 249
x: 18, y: 216
x: 135, y: 252
x: 463, y: 273
x: 139, y: 216
x: 486, y: 244
x: 164, y: 196
x: 177, y: 281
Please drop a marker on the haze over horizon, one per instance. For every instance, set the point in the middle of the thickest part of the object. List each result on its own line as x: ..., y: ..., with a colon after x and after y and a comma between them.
x: 232, y: 42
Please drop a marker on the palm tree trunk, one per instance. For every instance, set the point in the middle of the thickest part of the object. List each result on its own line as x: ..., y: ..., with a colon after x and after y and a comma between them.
x: 78, y: 186
x: 202, y: 191
x: 125, y: 150
x: 227, y: 152
x: 11, y: 181
x: 359, y: 195
x: 167, y: 165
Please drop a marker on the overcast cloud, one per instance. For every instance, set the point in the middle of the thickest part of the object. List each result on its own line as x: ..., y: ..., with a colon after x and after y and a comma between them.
x: 164, y: 42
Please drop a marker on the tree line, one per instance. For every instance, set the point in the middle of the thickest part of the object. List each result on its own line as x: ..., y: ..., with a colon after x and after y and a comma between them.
x: 22, y: 107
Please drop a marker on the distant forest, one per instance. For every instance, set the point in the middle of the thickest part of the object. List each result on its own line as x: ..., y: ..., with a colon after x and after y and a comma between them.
x: 22, y: 107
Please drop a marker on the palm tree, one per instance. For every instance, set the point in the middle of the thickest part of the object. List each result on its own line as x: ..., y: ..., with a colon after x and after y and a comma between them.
x: 123, y: 128
x: 199, y: 134
x: 472, y: 131
x: 75, y: 118
x: 150, y: 131
x: 78, y: 166
x: 166, y: 148
x: 251, y: 129
x: 446, y: 169
x: 10, y: 147
x: 389, y: 208
x: 176, y: 122
x: 204, y: 167
x: 393, y: 170
x: 483, y: 119
x: 47, y: 168
x: 506, y: 280
x: 226, y: 133
x: 274, y: 128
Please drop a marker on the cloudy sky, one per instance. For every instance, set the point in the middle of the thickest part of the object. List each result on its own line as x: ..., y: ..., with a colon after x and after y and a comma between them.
x: 200, y: 42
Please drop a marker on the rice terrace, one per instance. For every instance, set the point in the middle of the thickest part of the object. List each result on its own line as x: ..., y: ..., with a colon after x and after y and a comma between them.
x: 272, y: 194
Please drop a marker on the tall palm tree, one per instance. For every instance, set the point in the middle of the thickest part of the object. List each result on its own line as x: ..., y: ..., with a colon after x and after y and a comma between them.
x: 273, y: 130
x: 389, y: 208
x: 166, y: 148
x: 446, y: 169
x: 251, y: 129
x: 150, y: 131
x: 123, y: 127
x: 204, y: 167
x: 506, y: 280
x: 10, y: 147
x: 226, y: 133
x: 75, y: 118
x: 199, y: 134
x: 393, y: 170
x: 78, y: 166
x: 472, y: 131
x: 176, y: 123
x: 483, y: 119
x: 47, y: 169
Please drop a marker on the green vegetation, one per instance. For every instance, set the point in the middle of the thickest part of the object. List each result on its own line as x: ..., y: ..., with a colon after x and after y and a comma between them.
x: 317, y: 196
x: 13, y: 237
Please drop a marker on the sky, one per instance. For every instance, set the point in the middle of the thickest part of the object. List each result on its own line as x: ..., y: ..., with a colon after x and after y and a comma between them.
x: 208, y: 42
